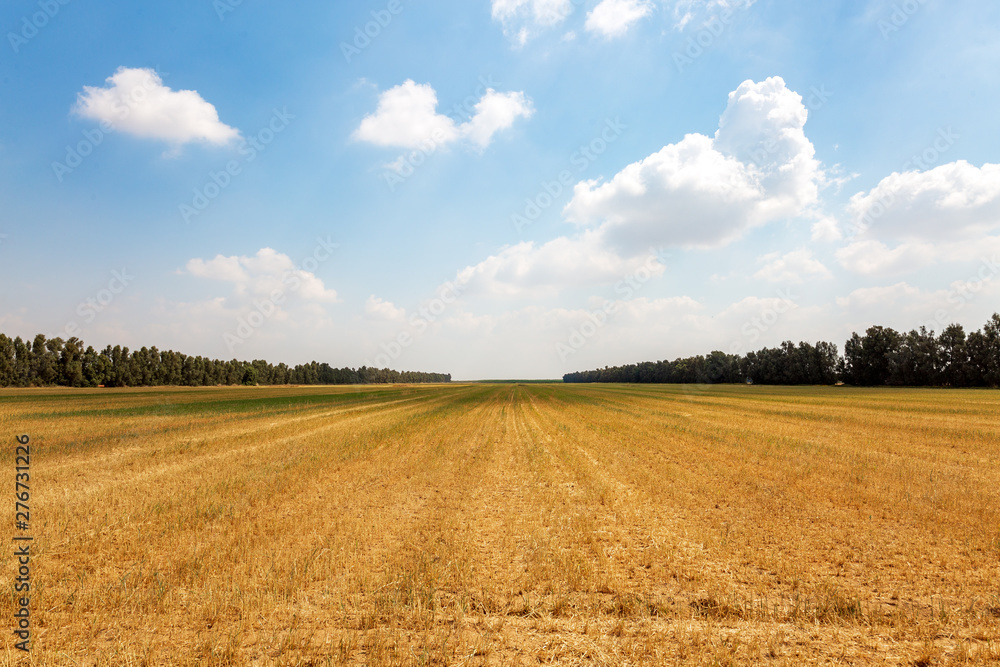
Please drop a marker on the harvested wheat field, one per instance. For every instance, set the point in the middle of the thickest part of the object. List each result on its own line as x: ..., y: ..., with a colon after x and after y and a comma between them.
x: 509, y: 525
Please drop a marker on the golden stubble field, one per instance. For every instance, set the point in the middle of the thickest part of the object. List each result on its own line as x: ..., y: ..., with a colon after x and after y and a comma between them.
x: 508, y: 525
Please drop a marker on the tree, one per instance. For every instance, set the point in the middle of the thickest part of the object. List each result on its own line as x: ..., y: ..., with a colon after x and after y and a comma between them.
x: 987, y: 352
x: 23, y: 363
x: 915, y: 362
x: 6, y: 361
x: 868, y: 359
x: 828, y: 362
x: 71, y: 364
x: 44, y: 361
x: 954, y: 356
x: 249, y: 375
x: 95, y: 368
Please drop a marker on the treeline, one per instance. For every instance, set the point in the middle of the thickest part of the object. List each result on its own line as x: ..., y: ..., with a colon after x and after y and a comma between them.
x: 55, y: 362
x: 882, y: 357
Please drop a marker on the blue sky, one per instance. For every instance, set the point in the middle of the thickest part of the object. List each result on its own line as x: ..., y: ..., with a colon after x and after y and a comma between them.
x: 515, y: 188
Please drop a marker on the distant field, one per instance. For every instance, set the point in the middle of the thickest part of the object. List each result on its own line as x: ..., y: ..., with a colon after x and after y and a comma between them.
x: 508, y: 525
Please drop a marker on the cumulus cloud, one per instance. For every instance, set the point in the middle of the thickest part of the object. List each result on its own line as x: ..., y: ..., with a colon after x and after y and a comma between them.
x: 914, y: 219
x: 407, y: 117
x: 706, y: 191
x: 226, y: 269
x: 495, y: 112
x: 523, y: 18
x: 794, y: 267
x: 763, y: 126
x: 136, y: 102
x: 702, y: 191
x: 686, y: 194
x: 613, y: 18
x: 261, y: 275
x: 939, y: 204
x: 379, y: 309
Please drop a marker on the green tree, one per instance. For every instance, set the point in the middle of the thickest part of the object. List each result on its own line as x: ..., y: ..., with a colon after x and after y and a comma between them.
x: 987, y: 352
x: 6, y: 361
x: 23, y: 363
x: 71, y: 364
x: 249, y: 375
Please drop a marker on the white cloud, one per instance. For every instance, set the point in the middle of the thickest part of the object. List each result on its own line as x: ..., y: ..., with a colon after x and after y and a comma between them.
x: 875, y: 258
x: 871, y: 257
x: 522, y: 18
x: 794, y: 267
x: 407, y: 117
x: 495, y: 112
x: 295, y: 332
x: 763, y: 126
x: 904, y: 307
x: 969, y: 301
x: 612, y: 18
x: 527, y: 270
x: 380, y: 309
x: 226, y: 269
x: 826, y: 228
x: 878, y: 297
x: 914, y: 219
x: 136, y: 102
x: 686, y: 194
x: 699, y: 191
x: 956, y: 199
x: 261, y: 275
x: 686, y: 11
x: 644, y: 312
x: 705, y: 191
